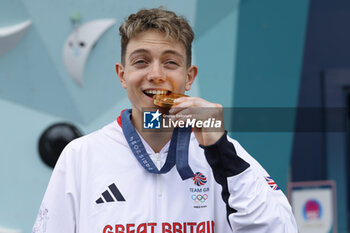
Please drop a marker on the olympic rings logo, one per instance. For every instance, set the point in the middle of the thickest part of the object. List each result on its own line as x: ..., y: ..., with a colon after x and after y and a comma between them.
x: 199, y: 197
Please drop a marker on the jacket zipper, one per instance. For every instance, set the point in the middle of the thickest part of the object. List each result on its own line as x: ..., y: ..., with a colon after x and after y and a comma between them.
x: 159, y: 177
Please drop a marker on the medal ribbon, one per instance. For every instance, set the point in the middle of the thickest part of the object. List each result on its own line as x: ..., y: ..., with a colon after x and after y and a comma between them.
x: 182, y: 144
x: 177, y: 153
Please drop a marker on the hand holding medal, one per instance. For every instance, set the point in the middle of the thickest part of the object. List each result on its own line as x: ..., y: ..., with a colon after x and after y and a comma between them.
x: 198, y: 109
x: 166, y: 100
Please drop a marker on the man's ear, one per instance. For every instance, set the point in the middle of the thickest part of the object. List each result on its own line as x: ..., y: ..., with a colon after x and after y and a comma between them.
x: 119, y: 68
x: 191, y: 76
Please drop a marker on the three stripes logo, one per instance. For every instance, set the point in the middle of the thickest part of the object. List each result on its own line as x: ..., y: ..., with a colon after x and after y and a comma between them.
x: 107, y: 195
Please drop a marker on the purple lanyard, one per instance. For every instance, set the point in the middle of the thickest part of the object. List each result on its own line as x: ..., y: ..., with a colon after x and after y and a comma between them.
x: 177, y: 154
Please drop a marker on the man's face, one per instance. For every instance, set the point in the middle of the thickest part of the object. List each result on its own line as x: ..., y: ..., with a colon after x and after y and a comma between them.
x: 154, y: 64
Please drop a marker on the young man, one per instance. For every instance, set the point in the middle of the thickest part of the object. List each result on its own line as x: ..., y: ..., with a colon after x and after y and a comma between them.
x: 125, y: 179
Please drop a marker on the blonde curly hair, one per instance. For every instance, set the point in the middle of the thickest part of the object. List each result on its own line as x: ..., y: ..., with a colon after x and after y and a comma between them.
x: 173, y: 26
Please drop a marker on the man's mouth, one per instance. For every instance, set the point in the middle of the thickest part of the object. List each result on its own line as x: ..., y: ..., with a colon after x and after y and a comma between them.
x: 151, y: 93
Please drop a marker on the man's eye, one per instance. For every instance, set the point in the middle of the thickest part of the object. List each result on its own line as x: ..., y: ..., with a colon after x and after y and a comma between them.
x: 172, y: 63
x: 139, y: 62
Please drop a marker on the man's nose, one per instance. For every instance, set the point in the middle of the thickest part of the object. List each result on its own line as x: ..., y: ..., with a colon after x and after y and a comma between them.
x: 156, y: 73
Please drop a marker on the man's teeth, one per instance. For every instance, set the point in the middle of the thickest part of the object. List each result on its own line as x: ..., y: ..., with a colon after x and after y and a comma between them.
x: 156, y: 92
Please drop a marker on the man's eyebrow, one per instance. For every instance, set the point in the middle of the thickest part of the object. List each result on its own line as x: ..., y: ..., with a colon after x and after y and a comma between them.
x: 174, y: 53
x: 138, y: 51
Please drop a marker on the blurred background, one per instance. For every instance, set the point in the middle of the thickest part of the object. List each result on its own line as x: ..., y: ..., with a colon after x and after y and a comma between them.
x: 250, y: 53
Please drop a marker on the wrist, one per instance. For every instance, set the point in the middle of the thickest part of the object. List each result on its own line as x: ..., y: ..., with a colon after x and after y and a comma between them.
x: 211, y: 138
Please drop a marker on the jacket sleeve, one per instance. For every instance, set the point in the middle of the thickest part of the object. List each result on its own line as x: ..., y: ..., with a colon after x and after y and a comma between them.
x: 252, y: 205
x: 58, y: 209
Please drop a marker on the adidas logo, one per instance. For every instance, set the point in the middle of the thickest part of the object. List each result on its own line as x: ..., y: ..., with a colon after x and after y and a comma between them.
x: 108, y: 197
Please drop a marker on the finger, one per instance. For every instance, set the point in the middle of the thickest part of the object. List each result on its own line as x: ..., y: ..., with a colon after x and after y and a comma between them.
x: 189, y: 102
x: 178, y: 107
x: 183, y: 112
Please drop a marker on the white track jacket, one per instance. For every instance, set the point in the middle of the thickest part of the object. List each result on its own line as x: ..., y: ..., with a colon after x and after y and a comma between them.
x: 98, y: 186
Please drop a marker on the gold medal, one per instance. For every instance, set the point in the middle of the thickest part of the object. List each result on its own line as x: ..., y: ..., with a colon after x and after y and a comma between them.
x: 166, y: 100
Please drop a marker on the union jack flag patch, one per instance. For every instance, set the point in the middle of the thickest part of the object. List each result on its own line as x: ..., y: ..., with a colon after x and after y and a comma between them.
x: 271, y: 183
